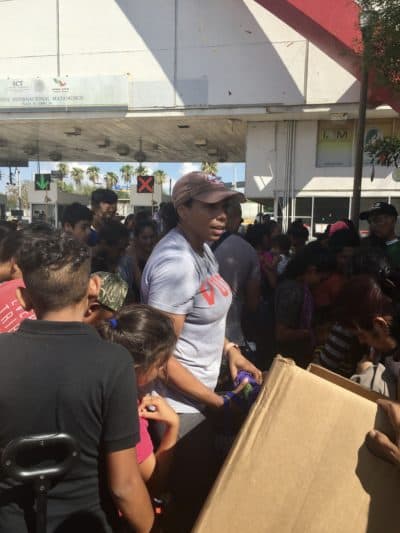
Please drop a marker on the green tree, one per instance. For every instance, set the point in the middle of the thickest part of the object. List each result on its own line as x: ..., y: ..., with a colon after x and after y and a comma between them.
x: 381, y: 39
x: 141, y: 170
x: 93, y: 174
x: 77, y: 175
x: 12, y: 196
x: 209, y: 168
x: 124, y: 195
x: 127, y: 172
x: 87, y: 188
x: 63, y: 169
x: 111, y: 180
x: 160, y: 176
x: 66, y: 187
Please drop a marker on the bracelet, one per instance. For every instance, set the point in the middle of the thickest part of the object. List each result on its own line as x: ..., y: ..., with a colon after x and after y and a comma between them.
x: 229, y: 346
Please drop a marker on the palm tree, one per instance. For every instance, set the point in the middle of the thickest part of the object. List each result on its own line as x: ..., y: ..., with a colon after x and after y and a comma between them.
x: 160, y: 177
x: 141, y: 170
x: 127, y: 171
x: 93, y: 174
x: 209, y: 168
x: 63, y: 169
x: 77, y: 176
x: 111, y: 180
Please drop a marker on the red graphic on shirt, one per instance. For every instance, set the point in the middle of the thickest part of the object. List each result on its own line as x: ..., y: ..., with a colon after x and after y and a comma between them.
x: 207, y: 289
x: 11, y: 312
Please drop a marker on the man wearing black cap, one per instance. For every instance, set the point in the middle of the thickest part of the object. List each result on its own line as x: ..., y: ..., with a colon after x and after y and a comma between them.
x: 382, y: 218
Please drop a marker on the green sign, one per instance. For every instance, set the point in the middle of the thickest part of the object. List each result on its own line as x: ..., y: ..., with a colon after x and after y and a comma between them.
x: 42, y: 182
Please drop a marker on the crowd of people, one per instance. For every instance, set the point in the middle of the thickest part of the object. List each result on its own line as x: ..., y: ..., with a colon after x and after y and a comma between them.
x: 131, y: 337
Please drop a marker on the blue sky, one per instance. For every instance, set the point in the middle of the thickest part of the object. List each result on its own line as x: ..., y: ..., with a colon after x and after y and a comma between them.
x: 227, y: 171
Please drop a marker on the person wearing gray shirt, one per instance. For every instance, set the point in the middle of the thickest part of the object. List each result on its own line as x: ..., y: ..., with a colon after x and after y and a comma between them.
x: 239, y: 266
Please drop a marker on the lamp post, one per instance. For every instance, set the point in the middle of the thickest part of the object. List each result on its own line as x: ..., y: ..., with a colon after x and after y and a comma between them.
x: 365, y: 19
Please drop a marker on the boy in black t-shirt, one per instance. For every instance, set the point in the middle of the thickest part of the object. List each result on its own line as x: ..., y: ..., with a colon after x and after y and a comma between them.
x: 57, y: 375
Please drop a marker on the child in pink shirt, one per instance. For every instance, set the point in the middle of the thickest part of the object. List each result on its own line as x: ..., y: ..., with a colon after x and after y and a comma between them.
x: 149, y: 336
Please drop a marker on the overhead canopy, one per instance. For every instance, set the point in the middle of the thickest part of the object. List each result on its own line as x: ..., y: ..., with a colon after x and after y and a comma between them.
x: 119, y: 138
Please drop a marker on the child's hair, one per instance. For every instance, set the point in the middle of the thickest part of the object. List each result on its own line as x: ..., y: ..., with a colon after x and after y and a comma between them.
x: 76, y: 212
x: 142, y: 225
x: 13, y: 240
x: 148, y: 334
x: 282, y: 242
x: 103, y: 196
x: 298, y: 230
x: 343, y: 238
x: 112, y: 232
x: 363, y: 289
x: 256, y: 232
x: 55, y: 268
x: 313, y: 255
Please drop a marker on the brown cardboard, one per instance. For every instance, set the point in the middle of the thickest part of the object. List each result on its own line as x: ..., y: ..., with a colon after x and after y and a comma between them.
x: 300, y: 465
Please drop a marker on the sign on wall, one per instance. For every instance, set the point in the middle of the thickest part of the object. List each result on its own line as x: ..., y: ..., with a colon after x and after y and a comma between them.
x: 24, y: 94
x: 335, y: 143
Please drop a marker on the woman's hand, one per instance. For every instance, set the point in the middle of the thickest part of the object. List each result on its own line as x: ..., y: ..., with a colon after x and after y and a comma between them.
x: 379, y: 443
x: 160, y: 410
x: 238, y: 362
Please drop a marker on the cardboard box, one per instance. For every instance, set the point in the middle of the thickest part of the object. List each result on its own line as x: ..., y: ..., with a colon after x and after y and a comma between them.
x: 300, y: 464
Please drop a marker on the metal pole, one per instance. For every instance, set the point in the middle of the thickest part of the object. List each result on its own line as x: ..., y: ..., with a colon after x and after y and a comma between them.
x: 358, y: 167
x: 17, y: 174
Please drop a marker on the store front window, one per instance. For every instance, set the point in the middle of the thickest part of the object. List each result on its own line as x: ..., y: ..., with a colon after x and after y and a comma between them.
x: 304, y: 211
x: 329, y: 210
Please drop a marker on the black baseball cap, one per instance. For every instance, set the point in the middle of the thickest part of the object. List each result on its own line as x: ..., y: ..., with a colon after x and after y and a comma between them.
x: 379, y: 208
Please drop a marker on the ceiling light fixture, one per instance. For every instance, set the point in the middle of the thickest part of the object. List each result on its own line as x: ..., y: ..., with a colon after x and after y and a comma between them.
x: 200, y: 142
x: 30, y: 149
x: 103, y: 143
x: 140, y: 156
x: 55, y: 155
x: 123, y: 149
x: 73, y: 132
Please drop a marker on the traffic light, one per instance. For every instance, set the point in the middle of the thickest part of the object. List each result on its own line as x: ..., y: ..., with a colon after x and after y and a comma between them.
x: 145, y: 184
x: 42, y: 182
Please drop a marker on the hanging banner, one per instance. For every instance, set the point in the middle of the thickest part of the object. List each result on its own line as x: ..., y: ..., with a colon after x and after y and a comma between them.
x: 32, y: 94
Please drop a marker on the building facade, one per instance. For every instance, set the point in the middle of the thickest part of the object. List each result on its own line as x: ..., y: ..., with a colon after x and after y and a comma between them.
x: 187, y: 80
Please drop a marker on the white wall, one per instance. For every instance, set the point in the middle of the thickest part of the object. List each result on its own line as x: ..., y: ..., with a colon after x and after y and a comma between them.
x: 266, y: 159
x: 206, y: 52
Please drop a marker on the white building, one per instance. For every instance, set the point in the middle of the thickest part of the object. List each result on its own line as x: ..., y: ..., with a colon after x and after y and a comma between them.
x: 193, y: 80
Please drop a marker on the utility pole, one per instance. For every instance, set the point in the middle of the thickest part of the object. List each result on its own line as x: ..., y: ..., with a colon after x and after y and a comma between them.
x: 358, y: 167
x: 365, y: 25
x: 17, y: 175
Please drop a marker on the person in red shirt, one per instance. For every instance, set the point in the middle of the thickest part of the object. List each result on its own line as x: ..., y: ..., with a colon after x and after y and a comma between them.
x: 11, y: 311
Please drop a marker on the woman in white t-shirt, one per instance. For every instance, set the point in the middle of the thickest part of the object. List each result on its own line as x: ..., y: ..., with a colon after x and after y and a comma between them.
x: 181, y: 278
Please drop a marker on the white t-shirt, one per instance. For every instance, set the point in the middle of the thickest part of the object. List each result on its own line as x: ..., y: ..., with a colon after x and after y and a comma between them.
x: 178, y: 280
